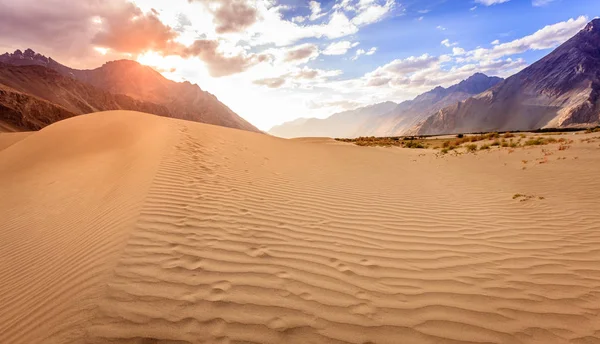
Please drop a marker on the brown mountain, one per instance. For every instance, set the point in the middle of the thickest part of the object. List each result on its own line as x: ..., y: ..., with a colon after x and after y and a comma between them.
x: 342, y: 124
x: 409, y: 113
x: 32, y: 97
x: 560, y: 90
x: 146, y: 90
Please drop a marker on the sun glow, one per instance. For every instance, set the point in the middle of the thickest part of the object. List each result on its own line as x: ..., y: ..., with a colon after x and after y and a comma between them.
x: 163, y: 64
x: 101, y: 50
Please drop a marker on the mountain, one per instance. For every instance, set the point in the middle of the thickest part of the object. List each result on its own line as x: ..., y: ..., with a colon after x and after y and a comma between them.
x: 386, y: 119
x: 144, y: 85
x: 342, y: 124
x: 560, y: 90
x: 409, y: 113
x: 33, y: 96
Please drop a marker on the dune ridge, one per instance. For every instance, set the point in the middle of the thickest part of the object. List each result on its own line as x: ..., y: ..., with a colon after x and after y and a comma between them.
x: 215, y: 235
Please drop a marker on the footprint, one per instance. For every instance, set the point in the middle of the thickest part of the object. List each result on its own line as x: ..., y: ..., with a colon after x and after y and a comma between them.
x: 259, y: 252
x: 219, y: 291
x: 221, y: 340
x: 283, y: 274
x: 277, y: 324
x: 306, y: 296
x: 217, y: 327
x: 368, y: 263
x: 363, y: 309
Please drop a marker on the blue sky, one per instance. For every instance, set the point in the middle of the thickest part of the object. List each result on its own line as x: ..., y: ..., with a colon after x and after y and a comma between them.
x: 273, y: 61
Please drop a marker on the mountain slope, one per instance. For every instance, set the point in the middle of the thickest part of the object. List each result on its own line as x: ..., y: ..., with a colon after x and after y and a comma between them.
x: 386, y: 119
x: 181, y: 100
x: 409, y: 113
x: 32, y: 97
x: 342, y: 124
x: 24, y: 112
x: 560, y: 90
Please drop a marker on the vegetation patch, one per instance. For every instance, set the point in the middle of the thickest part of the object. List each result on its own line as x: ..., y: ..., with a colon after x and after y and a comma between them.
x: 524, y: 198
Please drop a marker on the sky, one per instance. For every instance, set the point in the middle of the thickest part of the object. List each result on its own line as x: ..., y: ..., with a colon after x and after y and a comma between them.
x: 273, y: 61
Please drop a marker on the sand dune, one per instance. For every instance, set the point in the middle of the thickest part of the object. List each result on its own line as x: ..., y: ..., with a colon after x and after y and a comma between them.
x: 128, y: 228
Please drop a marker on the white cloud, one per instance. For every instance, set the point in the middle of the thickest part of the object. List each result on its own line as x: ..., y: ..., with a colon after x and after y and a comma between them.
x: 299, y: 19
x: 539, y: 3
x: 406, y: 66
x: 458, y: 51
x: 473, y: 8
x: 496, y: 42
x: 339, y: 48
x: 315, y: 10
x: 373, y: 13
x: 439, y: 27
x: 360, y: 52
x: 447, y: 43
x: 491, y: 2
x: 420, y: 18
x: 545, y: 38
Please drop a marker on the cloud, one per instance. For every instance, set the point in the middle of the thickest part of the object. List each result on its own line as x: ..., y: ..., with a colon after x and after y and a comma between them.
x: 473, y: 8
x: 315, y: 10
x: 447, y: 43
x: 298, y: 77
x: 270, y: 82
x: 360, y: 52
x: 539, y: 3
x: 302, y: 53
x: 491, y: 2
x: 496, y: 42
x: 230, y: 15
x: 343, y: 104
x: 219, y: 64
x: 299, y: 19
x: 131, y: 31
x: 545, y: 38
x: 372, y: 12
x: 339, y: 48
x: 68, y: 35
x: 439, y: 27
x: 458, y: 51
x: 406, y: 66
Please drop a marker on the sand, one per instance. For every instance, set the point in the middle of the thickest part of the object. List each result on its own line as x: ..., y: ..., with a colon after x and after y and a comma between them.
x: 122, y: 227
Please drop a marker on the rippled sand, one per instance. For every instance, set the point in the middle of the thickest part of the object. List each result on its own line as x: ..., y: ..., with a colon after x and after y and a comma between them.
x: 123, y: 227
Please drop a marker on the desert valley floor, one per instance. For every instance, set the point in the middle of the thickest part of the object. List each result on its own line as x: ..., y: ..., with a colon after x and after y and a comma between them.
x: 122, y: 227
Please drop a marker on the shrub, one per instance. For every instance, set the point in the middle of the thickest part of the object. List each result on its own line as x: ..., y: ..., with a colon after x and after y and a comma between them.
x: 496, y: 143
x: 413, y: 144
x: 593, y: 130
x: 484, y: 147
x: 460, y: 136
x: 471, y: 147
x: 508, y: 135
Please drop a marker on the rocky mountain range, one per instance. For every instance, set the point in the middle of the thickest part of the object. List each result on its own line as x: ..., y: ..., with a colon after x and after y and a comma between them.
x: 560, y: 90
x: 28, y: 79
x: 386, y: 119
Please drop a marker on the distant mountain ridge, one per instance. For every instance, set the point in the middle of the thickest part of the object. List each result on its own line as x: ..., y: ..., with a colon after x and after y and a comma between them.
x: 409, y: 113
x: 560, y: 90
x: 341, y: 124
x: 146, y: 90
x: 389, y: 118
